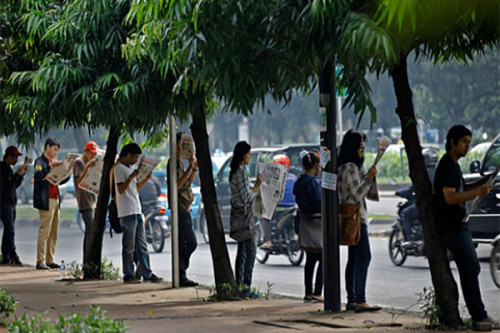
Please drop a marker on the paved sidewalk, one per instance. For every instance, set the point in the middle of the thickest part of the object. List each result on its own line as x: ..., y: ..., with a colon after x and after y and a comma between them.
x: 150, y: 307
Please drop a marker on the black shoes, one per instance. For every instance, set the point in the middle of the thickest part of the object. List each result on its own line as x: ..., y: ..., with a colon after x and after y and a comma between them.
x: 131, y: 279
x: 188, y: 283
x: 42, y: 266
x: 54, y: 266
x: 365, y: 307
x: 154, y: 279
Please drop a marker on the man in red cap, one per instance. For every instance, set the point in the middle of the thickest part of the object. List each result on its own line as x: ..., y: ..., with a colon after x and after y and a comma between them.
x: 9, y: 182
x: 86, y: 201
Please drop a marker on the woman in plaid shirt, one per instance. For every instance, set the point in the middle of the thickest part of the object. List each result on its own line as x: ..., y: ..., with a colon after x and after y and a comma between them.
x: 354, y: 186
x: 242, y: 195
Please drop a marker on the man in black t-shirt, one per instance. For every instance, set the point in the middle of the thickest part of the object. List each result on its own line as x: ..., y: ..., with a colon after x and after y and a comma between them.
x: 451, y: 193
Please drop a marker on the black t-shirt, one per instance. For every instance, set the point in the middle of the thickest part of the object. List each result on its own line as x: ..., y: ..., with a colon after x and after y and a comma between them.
x: 449, y: 217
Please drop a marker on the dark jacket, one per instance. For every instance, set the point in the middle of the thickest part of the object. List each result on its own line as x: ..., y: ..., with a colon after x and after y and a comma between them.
x: 307, y: 192
x: 9, y: 182
x: 41, y: 187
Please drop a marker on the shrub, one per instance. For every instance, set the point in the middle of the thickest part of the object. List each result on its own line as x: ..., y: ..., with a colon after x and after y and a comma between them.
x: 96, y: 321
x: 8, y: 305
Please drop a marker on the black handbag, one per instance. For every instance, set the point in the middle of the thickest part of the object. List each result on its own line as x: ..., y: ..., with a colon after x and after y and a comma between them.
x: 242, y: 224
x: 114, y: 221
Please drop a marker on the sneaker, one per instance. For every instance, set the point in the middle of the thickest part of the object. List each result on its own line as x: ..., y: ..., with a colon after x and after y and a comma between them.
x: 131, y: 279
x: 42, y: 266
x: 154, y: 279
x: 54, y: 266
x: 365, y: 307
x: 188, y: 283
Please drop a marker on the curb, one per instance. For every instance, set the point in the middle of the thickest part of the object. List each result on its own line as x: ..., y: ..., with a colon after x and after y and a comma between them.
x: 66, y: 223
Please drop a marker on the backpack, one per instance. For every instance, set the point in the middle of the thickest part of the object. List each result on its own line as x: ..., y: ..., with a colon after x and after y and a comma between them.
x: 114, y: 221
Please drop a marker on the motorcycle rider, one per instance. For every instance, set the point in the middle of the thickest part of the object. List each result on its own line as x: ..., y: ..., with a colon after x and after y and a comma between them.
x: 287, y: 203
x: 410, y: 213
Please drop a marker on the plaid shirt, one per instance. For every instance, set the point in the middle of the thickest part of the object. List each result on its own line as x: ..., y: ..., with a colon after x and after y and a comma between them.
x: 241, y: 192
x: 355, y: 186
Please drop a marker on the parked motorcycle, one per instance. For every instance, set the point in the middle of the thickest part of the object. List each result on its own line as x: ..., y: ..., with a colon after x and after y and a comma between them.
x: 413, y: 244
x: 285, y: 240
x: 495, y: 261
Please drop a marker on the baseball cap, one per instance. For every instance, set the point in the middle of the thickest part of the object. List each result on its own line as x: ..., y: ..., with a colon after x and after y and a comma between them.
x: 91, y: 146
x: 12, y: 150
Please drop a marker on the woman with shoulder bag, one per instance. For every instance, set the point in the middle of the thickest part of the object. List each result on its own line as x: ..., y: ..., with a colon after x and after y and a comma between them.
x: 307, y: 191
x: 354, y: 186
x: 242, y: 220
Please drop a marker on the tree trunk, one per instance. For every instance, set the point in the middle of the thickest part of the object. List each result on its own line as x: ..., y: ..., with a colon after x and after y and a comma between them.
x: 93, y: 257
x: 222, y: 266
x: 442, y: 279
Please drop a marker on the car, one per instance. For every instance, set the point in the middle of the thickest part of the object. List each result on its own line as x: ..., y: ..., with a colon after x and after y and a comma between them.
x: 484, y: 221
x: 258, y: 156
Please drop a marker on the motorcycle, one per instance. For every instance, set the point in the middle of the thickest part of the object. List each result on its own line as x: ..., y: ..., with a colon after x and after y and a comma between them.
x: 409, y: 242
x: 284, y: 239
x: 495, y: 261
x: 156, y: 226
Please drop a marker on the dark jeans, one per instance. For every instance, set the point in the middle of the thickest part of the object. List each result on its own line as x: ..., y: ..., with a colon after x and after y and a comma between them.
x: 187, y: 243
x: 311, y: 259
x: 465, y: 256
x: 8, y: 216
x: 245, y: 259
x: 408, y: 215
x: 88, y: 218
x: 356, y: 270
x: 134, y: 239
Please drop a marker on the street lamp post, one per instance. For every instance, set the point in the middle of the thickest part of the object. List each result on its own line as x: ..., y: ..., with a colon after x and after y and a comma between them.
x: 331, y: 251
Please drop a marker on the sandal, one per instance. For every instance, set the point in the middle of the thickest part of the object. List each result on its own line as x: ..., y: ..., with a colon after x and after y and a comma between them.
x: 365, y: 307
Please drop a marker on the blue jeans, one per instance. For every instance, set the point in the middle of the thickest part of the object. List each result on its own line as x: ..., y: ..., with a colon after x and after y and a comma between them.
x: 465, y: 256
x: 134, y: 239
x: 187, y: 242
x: 356, y: 270
x: 245, y: 259
x: 8, y: 216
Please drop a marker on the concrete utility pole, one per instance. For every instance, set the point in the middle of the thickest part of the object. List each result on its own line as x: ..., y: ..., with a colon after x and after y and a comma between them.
x: 174, y: 213
x: 329, y: 201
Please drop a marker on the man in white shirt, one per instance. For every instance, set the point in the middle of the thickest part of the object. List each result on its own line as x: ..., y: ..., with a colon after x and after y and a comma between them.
x: 129, y: 213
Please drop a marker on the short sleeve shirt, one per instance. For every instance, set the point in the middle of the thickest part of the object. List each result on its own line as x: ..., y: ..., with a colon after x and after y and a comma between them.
x: 85, y: 200
x: 449, y: 217
x: 128, y: 202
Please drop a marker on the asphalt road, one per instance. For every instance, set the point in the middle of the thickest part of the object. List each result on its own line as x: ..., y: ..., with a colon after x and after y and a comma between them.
x: 388, y: 285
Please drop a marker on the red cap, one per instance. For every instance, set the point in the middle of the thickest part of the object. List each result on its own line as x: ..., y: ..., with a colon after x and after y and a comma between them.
x: 92, y: 147
x: 12, y: 150
x: 282, y: 159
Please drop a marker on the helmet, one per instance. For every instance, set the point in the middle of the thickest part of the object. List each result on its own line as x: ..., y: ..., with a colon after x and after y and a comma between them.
x: 282, y: 159
x: 430, y: 157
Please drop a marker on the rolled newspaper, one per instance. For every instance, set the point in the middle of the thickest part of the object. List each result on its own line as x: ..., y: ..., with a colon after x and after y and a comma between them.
x: 382, y: 144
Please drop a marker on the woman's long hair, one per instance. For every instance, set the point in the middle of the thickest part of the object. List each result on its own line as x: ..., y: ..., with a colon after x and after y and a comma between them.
x: 240, y: 149
x: 349, y: 148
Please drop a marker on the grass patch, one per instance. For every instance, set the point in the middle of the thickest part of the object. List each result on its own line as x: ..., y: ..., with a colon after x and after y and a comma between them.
x: 67, y: 213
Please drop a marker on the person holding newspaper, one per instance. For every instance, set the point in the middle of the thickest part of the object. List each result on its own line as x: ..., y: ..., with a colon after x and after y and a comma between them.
x: 450, y: 194
x: 129, y: 213
x: 85, y: 200
x: 185, y: 197
x: 242, y: 219
x: 307, y: 191
x: 9, y: 182
x: 354, y: 186
x: 47, y: 200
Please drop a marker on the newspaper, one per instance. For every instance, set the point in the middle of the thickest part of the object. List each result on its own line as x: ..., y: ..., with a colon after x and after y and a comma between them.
x: 91, y: 182
x: 271, y: 190
x: 63, y: 170
x: 382, y: 144
x: 187, y: 146
x: 146, y: 165
x: 27, y: 161
x: 475, y: 202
